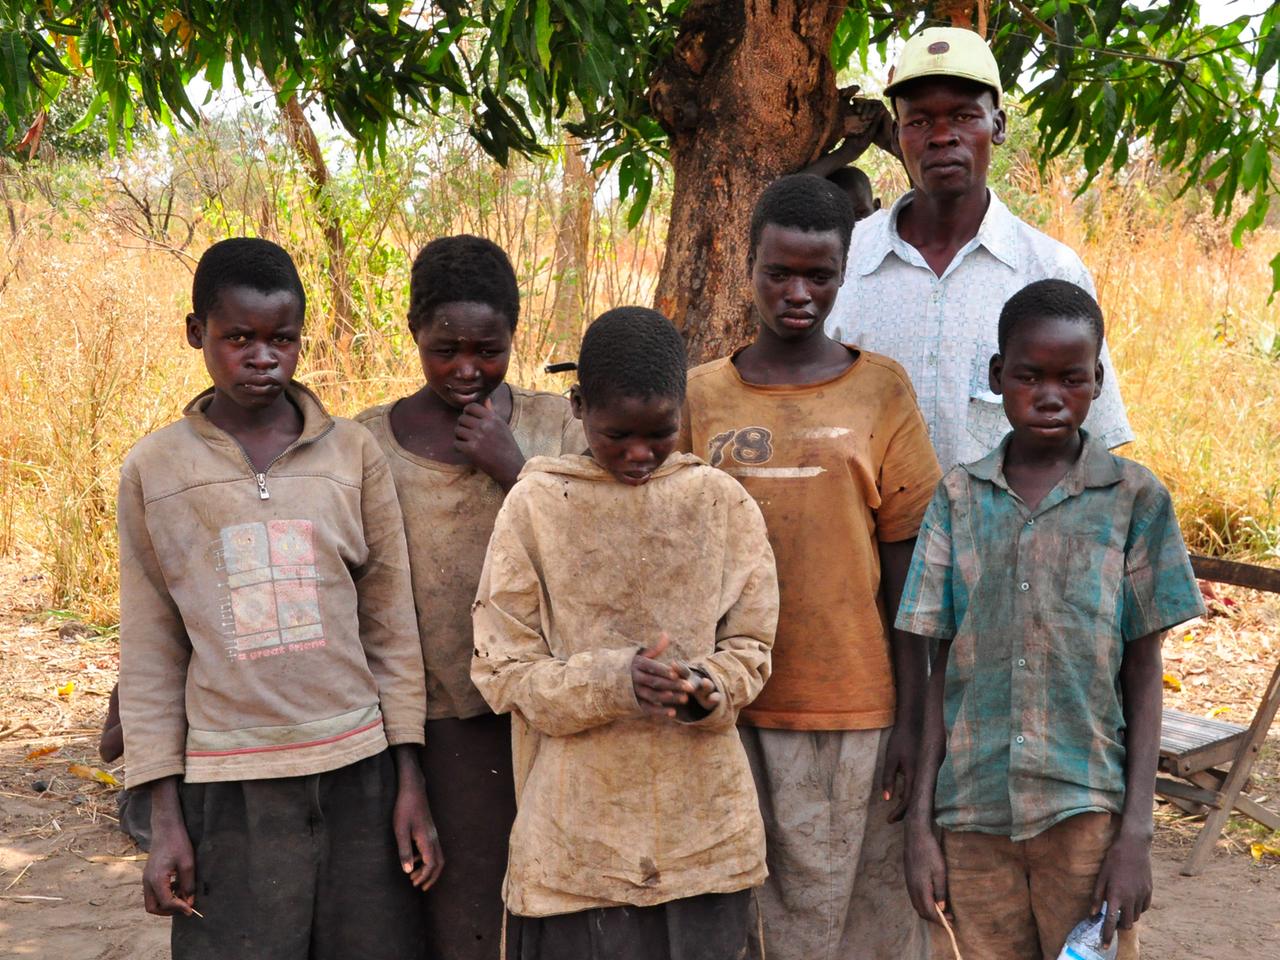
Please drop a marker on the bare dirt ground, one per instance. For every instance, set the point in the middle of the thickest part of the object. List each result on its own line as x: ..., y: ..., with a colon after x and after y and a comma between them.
x: 70, y: 881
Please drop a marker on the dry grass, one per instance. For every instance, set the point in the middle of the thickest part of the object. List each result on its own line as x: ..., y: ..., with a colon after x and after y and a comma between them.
x: 95, y: 353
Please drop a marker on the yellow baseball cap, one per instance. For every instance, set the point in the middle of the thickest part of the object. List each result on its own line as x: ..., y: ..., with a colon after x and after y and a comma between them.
x: 945, y: 52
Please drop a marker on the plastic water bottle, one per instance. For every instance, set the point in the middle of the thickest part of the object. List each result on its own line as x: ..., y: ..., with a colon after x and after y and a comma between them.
x: 1085, y: 941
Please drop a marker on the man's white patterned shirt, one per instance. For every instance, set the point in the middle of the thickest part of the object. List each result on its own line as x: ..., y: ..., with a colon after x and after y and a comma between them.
x: 943, y: 329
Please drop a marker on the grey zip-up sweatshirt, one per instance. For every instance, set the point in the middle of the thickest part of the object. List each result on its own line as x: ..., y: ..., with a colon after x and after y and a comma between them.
x: 267, y: 624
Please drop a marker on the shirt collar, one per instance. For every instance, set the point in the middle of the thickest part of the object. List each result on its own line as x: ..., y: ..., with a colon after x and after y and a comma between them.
x: 1095, y: 467
x: 998, y: 232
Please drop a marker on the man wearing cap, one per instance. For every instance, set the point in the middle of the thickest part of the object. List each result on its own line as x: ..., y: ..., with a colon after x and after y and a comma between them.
x: 926, y: 279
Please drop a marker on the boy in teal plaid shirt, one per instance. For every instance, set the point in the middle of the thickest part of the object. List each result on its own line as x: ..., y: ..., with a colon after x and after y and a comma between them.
x: 1047, y: 572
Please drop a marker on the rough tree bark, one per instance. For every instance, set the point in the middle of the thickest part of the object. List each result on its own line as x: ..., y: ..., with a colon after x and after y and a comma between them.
x: 748, y: 95
x: 303, y: 139
x: 573, y: 244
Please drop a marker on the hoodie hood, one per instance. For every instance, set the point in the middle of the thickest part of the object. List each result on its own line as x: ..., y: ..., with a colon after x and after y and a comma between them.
x: 586, y: 468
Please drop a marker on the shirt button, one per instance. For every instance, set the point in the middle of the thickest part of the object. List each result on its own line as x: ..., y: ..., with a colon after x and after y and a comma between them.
x: 1022, y: 663
x: 1024, y: 586
x: 1018, y: 739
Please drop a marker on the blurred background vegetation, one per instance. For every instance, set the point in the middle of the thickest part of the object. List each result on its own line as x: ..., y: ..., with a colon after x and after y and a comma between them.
x: 96, y: 254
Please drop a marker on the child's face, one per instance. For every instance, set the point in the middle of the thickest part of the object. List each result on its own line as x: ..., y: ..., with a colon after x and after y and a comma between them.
x: 250, y: 342
x: 864, y: 204
x: 631, y: 437
x: 1049, y: 375
x: 795, y: 275
x: 465, y: 351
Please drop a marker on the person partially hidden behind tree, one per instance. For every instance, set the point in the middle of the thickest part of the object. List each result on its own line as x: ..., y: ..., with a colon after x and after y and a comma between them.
x: 1045, y: 574
x: 132, y: 806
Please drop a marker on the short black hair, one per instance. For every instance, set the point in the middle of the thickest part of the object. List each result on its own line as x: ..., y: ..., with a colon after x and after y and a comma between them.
x: 631, y: 352
x: 462, y: 269
x: 851, y: 179
x: 805, y: 202
x: 1049, y: 300
x: 244, y: 262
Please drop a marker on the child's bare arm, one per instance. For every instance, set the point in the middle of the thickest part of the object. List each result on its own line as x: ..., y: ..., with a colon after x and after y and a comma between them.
x: 926, y: 870
x: 1124, y: 882
x: 111, y: 745
x: 417, y: 843
x: 910, y: 675
x: 169, y: 878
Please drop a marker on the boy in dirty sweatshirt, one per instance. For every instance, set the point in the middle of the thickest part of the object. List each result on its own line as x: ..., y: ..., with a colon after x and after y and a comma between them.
x: 271, y: 681
x: 625, y: 616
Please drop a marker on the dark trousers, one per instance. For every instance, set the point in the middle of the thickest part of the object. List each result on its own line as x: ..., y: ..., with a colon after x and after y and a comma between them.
x: 473, y: 801
x: 299, y: 868
x: 712, y: 926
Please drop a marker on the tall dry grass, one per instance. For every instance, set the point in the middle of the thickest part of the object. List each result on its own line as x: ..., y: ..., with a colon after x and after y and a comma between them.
x: 94, y: 353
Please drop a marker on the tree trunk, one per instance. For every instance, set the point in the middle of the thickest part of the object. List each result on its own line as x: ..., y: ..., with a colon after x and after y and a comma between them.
x: 304, y: 141
x: 573, y: 244
x: 748, y: 95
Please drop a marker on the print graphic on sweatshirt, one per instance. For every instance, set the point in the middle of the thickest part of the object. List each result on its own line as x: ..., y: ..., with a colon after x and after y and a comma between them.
x: 745, y: 451
x: 271, y: 605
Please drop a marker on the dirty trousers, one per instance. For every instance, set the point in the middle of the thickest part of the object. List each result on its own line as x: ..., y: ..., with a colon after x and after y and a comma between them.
x: 299, y: 868
x: 1019, y: 900
x: 712, y: 926
x: 473, y: 801
x: 836, y: 887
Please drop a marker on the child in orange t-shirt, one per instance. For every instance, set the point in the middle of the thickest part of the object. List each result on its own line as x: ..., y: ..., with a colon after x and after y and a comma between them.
x: 830, y: 442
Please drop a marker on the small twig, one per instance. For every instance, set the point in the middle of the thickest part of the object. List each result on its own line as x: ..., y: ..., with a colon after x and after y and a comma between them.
x: 14, y: 881
x: 26, y: 896
x: 955, y: 948
x: 197, y: 913
x: 20, y: 727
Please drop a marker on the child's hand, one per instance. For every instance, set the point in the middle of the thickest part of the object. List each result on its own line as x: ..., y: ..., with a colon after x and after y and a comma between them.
x: 169, y: 878
x: 1124, y: 883
x: 704, y: 691
x: 486, y: 440
x: 659, y: 689
x: 417, y: 843
x: 926, y: 872
x: 900, y: 758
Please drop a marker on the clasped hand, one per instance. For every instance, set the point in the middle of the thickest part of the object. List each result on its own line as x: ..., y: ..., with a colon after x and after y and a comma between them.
x: 664, y: 689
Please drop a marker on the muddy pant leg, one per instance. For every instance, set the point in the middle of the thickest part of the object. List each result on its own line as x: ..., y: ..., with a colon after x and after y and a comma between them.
x: 990, y: 896
x: 256, y: 862
x: 469, y: 782
x: 814, y: 789
x: 365, y: 905
x: 1064, y: 863
x: 880, y: 920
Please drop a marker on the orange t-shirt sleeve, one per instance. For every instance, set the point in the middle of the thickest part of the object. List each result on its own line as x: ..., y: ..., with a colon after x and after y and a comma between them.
x: 909, y: 472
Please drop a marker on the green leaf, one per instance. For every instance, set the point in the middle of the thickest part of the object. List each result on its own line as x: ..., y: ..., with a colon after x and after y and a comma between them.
x: 542, y: 32
x: 1275, y: 277
x: 1256, y: 163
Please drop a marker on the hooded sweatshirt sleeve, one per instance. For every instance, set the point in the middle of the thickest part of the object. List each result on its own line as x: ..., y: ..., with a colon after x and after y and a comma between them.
x: 513, y: 667
x: 749, y: 598
x: 388, y: 622
x: 154, y: 649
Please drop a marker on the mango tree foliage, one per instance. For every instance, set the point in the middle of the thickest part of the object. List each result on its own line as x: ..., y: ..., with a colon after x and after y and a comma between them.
x: 1109, y: 79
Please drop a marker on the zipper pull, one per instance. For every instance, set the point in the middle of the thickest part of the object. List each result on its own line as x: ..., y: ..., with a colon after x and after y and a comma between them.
x: 262, y: 486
